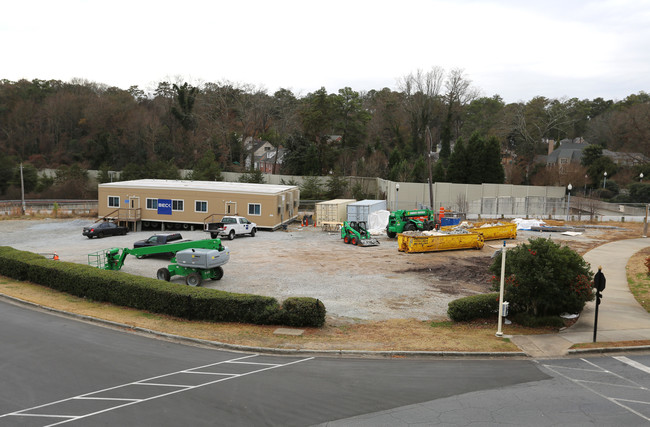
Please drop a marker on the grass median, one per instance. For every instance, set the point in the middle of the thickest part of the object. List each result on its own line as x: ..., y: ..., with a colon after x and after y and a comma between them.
x: 388, y: 335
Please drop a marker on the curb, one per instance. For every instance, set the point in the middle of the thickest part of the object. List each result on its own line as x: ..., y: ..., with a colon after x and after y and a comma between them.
x: 266, y: 350
x: 605, y: 350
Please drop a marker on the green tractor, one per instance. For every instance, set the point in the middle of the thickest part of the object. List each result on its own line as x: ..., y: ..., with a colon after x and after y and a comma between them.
x: 419, y: 219
x: 356, y: 233
x: 195, y: 260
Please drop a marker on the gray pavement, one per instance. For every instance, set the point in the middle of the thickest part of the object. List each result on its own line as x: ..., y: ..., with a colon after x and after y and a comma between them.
x: 620, y: 317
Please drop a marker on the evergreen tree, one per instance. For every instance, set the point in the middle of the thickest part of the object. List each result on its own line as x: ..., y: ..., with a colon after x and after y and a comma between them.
x: 253, y: 176
x: 420, y: 171
x: 206, y: 169
x: 492, y: 168
x: 439, y: 172
x: 475, y: 150
x: 458, y: 169
x: 336, y: 186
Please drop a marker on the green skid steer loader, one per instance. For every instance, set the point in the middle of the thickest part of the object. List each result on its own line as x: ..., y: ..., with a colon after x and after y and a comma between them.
x: 356, y: 233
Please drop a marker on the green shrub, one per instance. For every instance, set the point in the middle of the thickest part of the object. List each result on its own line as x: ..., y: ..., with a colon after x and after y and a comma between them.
x: 158, y: 296
x: 527, y: 320
x: 544, y: 279
x: 302, y: 312
x: 474, y: 307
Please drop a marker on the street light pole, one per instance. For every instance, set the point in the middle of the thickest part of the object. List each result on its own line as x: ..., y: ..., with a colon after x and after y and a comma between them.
x: 501, y: 290
x: 641, y: 177
x: 568, y: 209
x: 604, y: 179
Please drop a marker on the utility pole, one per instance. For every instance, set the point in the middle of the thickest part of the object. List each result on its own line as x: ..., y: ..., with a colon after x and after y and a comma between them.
x: 22, y: 188
x: 430, y: 145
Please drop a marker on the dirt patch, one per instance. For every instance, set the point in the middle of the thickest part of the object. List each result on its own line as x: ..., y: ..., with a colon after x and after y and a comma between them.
x: 356, y: 284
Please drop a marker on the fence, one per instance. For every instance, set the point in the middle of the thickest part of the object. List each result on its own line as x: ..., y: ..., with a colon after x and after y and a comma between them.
x: 69, y: 207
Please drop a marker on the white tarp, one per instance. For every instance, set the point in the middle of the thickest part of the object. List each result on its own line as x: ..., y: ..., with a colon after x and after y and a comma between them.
x: 377, y: 222
x: 526, y: 224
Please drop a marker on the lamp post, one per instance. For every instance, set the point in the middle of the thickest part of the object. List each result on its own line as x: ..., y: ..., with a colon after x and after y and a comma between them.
x: 396, y: 196
x: 641, y: 177
x: 604, y: 179
x: 568, y: 205
x: 586, y: 177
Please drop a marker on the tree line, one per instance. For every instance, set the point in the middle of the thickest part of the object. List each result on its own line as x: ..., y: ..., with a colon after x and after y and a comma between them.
x: 389, y: 133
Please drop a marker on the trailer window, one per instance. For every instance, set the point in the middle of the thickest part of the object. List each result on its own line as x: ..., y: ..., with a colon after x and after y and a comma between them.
x: 254, y: 209
x: 201, y: 206
x: 177, y: 205
x: 152, y: 204
x: 113, y: 201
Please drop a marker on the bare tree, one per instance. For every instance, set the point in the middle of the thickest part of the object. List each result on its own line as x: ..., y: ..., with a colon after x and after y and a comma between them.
x: 421, y: 91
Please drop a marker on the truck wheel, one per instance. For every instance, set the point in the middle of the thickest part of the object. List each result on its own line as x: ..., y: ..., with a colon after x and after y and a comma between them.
x: 193, y: 279
x: 214, y: 235
x: 217, y: 274
x: 163, y: 274
x: 100, y: 235
x: 391, y: 234
x: 253, y: 231
x: 231, y: 235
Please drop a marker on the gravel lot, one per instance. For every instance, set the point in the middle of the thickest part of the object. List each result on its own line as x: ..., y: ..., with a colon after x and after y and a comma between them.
x: 354, y: 283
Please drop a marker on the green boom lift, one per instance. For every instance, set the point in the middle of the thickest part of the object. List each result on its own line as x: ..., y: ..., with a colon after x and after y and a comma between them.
x: 195, y: 260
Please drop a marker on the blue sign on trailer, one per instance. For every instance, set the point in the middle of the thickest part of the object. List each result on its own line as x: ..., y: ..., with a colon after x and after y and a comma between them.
x: 164, y: 207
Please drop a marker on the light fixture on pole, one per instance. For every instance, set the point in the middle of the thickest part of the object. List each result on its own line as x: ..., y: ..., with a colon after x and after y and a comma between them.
x: 568, y: 205
x: 396, y: 196
x: 604, y: 179
x: 641, y: 177
x: 586, y: 177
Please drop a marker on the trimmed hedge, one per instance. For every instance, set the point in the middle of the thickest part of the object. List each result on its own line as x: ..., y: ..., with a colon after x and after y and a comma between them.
x: 158, y: 296
x: 473, y: 307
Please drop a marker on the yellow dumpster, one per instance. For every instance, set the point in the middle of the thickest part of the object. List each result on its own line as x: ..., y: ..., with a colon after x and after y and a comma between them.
x: 491, y: 231
x: 441, y: 242
x: 496, y: 232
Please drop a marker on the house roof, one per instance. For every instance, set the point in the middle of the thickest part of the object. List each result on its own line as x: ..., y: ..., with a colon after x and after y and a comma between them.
x: 568, y: 150
x: 208, y: 186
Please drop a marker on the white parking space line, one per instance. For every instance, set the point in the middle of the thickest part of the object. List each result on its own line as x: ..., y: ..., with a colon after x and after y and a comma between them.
x: 123, y: 402
x: 634, y: 364
x: 597, y: 369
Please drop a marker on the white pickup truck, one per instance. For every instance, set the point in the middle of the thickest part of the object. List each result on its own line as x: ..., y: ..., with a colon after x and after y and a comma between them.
x: 231, y: 226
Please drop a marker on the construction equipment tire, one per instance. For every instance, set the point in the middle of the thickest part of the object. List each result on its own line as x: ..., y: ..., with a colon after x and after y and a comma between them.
x: 409, y: 227
x: 346, y: 239
x: 354, y: 241
x: 391, y: 234
x: 217, y: 274
x: 193, y: 279
x: 163, y: 274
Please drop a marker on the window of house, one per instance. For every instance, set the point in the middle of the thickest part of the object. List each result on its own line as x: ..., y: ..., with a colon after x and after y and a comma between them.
x: 254, y: 209
x: 177, y: 205
x: 113, y: 201
x: 152, y: 204
x: 201, y: 206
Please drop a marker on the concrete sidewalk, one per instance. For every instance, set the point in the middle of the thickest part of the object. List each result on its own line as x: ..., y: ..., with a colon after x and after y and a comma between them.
x: 620, y: 317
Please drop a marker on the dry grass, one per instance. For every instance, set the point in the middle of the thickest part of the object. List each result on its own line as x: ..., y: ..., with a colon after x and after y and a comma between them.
x: 638, y: 278
x: 390, y: 335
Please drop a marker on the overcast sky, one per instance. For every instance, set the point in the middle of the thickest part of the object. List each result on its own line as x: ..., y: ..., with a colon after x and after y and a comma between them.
x: 517, y: 49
